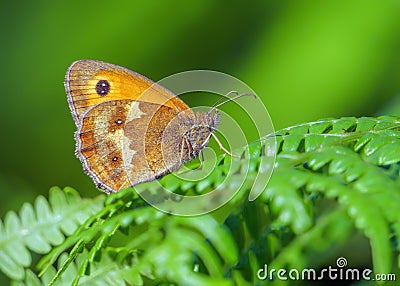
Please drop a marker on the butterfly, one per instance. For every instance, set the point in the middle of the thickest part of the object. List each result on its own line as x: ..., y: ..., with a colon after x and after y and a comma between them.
x: 131, y: 130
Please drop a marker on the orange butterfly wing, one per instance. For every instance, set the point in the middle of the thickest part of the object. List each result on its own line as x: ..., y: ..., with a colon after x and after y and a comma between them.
x: 107, y: 103
x: 83, y: 77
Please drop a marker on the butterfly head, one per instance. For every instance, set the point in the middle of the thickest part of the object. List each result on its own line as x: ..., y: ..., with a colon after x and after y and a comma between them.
x: 196, y: 138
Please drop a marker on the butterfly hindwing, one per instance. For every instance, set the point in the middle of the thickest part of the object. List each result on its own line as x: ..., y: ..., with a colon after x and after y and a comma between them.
x: 100, y: 142
x: 124, y: 142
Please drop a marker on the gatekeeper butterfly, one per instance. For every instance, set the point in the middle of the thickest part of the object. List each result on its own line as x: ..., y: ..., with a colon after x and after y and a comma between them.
x: 129, y: 129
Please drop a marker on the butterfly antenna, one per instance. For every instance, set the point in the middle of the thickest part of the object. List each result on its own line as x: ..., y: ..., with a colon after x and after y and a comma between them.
x: 223, y: 97
x: 218, y: 103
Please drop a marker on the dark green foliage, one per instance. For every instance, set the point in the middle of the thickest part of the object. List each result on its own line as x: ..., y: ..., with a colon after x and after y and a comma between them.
x: 333, y: 179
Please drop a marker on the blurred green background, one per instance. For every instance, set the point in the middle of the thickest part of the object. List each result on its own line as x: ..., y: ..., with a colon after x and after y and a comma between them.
x: 305, y: 59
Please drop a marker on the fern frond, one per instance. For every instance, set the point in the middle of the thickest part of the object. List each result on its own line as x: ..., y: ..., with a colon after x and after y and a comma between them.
x: 330, y: 171
x: 169, y: 241
x: 332, y: 179
x: 357, y: 171
x: 104, y: 272
x: 40, y: 226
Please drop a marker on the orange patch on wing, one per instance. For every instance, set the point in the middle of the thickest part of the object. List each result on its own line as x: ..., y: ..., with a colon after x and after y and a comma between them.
x: 83, y: 76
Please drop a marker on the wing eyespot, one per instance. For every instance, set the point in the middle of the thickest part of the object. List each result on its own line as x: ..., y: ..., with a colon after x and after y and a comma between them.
x: 102, y: 87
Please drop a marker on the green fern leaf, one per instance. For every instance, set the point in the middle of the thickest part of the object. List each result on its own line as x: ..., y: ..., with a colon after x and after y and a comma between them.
x: 39, y: 227
x: 333, y: 178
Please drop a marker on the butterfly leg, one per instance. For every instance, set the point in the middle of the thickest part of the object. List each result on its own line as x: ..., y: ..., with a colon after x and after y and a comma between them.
x: 202, y: 156
x: 189, y: 147
x: 182, y: 149
x: 206, y: 141
x: 222, y: 147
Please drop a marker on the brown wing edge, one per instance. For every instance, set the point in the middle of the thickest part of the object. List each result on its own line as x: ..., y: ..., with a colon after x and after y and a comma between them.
x: 83, y: 160
x: 69, y: 96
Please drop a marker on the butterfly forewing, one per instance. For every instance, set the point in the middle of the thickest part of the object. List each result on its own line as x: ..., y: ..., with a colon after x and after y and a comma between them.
x: 91, y: 82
